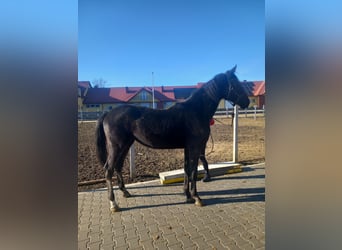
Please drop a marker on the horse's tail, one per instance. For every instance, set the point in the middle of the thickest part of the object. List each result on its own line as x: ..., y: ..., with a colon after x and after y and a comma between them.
x: 101, y: 149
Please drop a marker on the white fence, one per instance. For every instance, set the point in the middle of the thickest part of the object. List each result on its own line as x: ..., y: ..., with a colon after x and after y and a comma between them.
x: 82, y: 116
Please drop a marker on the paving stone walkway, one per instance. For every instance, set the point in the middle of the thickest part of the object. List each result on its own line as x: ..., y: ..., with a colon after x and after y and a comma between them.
x: 156, y: 217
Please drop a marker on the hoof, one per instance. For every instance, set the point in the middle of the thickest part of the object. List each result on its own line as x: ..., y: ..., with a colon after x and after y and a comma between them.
x: 190, y: 200
x: 115, y: 209
x: 206, y: 179
x: 126, y: 194
x: 199, y: 203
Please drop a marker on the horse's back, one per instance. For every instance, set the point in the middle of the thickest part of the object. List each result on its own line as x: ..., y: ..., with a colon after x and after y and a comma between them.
x: 118, y: 122
x: 151, y: 127
x: 123, y: 113
x: 170, y: 128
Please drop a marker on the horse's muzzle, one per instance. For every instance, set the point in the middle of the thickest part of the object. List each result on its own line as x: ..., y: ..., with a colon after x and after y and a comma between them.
x: 244, y: 103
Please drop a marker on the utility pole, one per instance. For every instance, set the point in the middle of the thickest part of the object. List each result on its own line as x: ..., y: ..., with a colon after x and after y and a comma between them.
x: 235, y: 134
x: 153, y: 90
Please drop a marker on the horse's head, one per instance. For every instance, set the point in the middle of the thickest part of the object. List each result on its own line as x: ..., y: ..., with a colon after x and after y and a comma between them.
x: 234, y: 91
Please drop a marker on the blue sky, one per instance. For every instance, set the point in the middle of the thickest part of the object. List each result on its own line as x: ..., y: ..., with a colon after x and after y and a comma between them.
x: 182, y: 42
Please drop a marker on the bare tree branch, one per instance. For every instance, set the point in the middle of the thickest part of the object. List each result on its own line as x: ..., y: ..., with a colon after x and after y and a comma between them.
x: 99, y: 82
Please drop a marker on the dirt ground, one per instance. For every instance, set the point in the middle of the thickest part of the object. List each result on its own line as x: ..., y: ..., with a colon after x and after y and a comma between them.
x: 150, y: 162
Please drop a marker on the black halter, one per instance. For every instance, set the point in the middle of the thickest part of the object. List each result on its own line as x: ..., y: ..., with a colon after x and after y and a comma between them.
x: 231, y: 88
x: 212, y: 90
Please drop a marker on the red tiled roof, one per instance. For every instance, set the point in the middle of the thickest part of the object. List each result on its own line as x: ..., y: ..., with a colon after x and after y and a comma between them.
x: 259, y: 88
x: 82, y: 87
x: 169, y: 92
x: 255, y: 88
x: 100, y: 95
x: 123, y: 94
x: 85, y: 84
x: 161, y: 93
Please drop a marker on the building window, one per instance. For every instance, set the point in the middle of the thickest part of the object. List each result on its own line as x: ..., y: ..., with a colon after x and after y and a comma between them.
x: 143, y: 96
x: 144, y: 104
x: 93, y: 105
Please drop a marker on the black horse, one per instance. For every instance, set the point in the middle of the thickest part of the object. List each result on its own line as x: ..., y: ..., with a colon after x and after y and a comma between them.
x: 184, y: 125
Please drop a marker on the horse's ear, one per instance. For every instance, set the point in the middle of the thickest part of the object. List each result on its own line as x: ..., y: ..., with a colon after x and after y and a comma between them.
x: 232, y: 71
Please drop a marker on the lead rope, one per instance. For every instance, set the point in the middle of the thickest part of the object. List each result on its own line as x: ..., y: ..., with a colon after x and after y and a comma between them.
x: 211, y: 136
x: 211, y: 123
x: 212, y: 144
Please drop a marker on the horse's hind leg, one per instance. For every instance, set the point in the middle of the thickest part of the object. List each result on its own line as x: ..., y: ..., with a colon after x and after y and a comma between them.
x: 118, y: 168
x: 116, y: 157
x: 109, y: 174
x: 121, y: 183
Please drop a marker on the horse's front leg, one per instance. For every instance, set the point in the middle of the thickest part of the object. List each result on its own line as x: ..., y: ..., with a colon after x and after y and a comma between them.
x: 191, y: 173
x: 187, y: 174
x: 193, y: 187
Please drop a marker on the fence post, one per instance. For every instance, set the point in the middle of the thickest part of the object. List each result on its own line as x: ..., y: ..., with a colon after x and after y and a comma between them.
x: 255, y: 106
x: 235, y: 134
x: 131, y: 162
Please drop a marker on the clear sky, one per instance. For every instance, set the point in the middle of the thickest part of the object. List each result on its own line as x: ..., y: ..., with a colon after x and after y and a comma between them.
x: 182, y: 42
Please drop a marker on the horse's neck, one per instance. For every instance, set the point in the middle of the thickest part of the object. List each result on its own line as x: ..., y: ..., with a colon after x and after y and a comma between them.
x: 204, y: 103
x: 210, y: 106
x: 212, y: 90
x: 213, y: 96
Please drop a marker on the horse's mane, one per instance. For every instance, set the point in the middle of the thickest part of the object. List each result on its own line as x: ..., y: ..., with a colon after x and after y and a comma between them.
x: 211, y: 89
